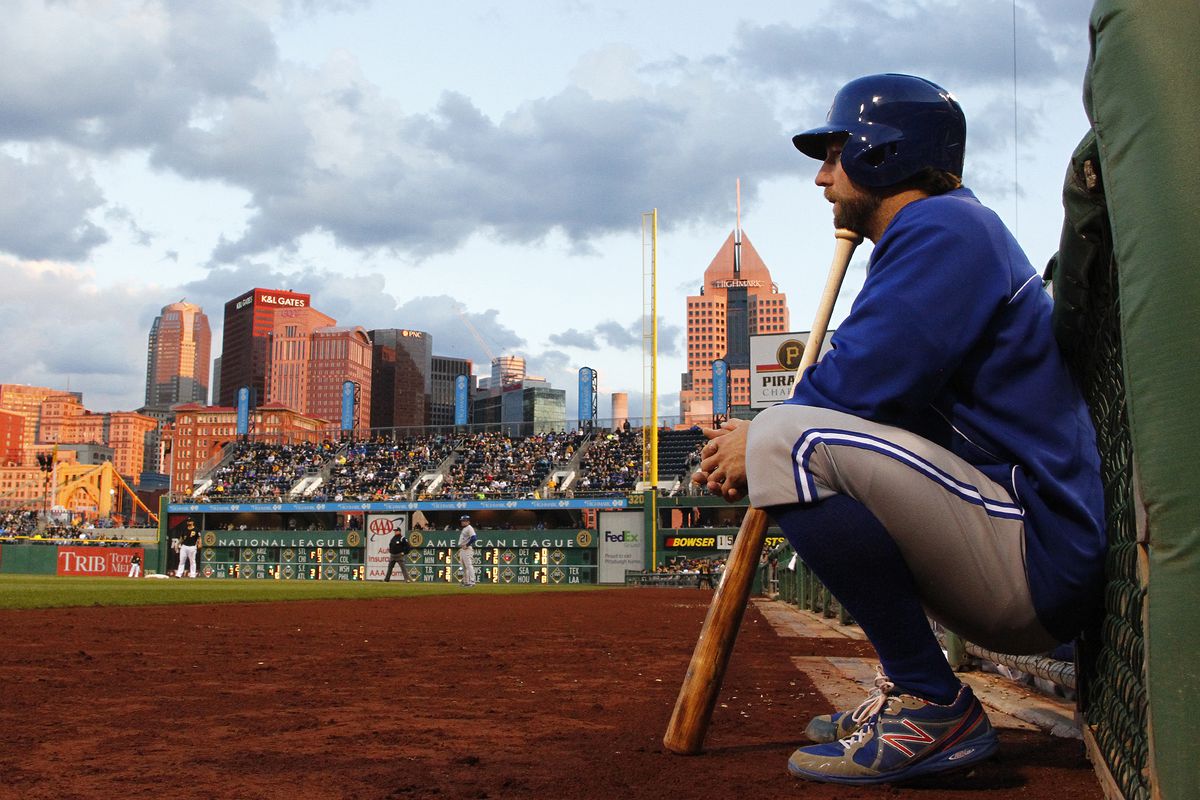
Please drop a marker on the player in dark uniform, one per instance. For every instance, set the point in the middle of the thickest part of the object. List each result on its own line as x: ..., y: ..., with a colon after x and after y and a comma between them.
x: 939, y: 459
x: 187, y: 550
x: 398, y: 548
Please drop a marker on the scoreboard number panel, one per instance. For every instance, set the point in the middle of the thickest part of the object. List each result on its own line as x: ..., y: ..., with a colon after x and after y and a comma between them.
x: 501, y: 557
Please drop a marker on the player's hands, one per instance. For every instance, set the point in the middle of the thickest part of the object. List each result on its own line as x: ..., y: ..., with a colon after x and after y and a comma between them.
x: 723, y: 460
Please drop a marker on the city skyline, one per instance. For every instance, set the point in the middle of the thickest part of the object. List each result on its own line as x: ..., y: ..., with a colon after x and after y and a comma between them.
x: 351, y: 151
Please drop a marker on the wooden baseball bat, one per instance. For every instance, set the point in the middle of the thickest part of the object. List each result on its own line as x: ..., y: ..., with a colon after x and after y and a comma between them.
x: 702, y: 682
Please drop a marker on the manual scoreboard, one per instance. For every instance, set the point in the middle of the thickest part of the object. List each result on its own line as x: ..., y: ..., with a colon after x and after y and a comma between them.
x: 271, y: 555
x: 546, y: 557
x: 558, y: 557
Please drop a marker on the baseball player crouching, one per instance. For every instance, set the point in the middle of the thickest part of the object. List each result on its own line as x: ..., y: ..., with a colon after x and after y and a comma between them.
x: 940, y: 458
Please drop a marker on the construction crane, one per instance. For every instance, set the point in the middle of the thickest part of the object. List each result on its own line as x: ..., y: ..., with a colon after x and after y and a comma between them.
x: 487, y: 350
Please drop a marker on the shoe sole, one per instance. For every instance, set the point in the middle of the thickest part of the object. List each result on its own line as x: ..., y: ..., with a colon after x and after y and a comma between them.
x: 964, y: 755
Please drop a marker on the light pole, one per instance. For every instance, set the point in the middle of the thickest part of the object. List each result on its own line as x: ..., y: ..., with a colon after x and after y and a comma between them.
x: 46, y: 465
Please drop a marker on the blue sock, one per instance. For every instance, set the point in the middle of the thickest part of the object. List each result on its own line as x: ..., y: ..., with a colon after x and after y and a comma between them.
x: 851, y: 552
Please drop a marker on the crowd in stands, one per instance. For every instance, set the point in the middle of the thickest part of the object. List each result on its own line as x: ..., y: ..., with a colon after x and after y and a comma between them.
x: 265, y: 471
x: 692, y: 566
x: 494, y: 464
x: 479, y: 465
x: 384, y: 469
x: 613, y: 463
x: 23, y: 526
x: 17, y: 523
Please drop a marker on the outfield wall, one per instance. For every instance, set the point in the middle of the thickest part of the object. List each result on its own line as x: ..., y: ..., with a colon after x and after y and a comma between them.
x: 72, y: 560
x: 552, y: 557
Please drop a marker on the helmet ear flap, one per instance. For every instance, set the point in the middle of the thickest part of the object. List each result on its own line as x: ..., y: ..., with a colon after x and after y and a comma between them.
x: 877, y: 155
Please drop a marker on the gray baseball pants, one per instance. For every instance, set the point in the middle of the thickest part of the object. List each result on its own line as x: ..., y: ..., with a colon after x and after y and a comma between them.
x: 961, y: 534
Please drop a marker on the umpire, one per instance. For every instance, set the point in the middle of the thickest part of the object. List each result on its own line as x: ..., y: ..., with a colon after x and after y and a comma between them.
x: 398, y: 547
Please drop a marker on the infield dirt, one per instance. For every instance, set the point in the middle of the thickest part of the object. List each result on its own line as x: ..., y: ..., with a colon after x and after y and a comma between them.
x: 545, y: 695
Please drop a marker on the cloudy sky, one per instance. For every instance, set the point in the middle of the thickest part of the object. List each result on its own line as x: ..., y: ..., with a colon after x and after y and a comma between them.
x: 411, y: 164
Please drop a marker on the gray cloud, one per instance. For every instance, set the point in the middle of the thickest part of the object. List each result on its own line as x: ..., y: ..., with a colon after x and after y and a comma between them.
x: 203, y: 93
x: 571, y: 162
x: 612, y: 334
x: 320, y: 150
x: 44, y: 208
x: 123, y: 74
x: 950, y: 42
x: 60, y: 330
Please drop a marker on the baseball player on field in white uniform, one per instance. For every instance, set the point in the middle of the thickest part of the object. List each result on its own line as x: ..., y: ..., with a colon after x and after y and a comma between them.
x: 466, y: 550
x: 187, y: 550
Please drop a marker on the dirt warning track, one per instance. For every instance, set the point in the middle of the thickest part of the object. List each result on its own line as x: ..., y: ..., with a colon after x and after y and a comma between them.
x: 554, y: 694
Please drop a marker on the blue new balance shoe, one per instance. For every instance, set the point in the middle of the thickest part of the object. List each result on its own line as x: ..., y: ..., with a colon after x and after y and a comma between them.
x: 904, y: 737
x: 840, y: 724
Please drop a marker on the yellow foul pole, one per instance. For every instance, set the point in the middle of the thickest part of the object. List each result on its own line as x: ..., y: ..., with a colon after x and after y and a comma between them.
x: 650, y: 375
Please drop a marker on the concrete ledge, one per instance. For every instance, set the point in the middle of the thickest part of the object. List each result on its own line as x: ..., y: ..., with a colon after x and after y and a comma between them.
x: 845, y: 682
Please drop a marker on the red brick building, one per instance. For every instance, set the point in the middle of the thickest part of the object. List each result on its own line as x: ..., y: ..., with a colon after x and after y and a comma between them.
x: 27, y: 402
x: 12, y: 438
x: 291, y: 340
x: 340, y: 355
x: 199, y: 434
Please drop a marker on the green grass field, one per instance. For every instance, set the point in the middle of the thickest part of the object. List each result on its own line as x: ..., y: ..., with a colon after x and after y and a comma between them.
x: 42, y: 591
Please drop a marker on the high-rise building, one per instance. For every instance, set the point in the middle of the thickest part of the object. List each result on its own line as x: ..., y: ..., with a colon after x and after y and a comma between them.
x: 402, y: 378
x: 340, y: 354
x: 291, y: 339
x: 177, y: 357
x: 521, y: 409
x: 737, y: 299
x: 443, y: 386
x: 215, y: 389
x: 249, y: 319
x: 506, y: 371
x: 65, y: 422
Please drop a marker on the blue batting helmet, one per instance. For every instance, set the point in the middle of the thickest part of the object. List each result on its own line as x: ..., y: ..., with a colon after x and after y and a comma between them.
x: 896, y: 125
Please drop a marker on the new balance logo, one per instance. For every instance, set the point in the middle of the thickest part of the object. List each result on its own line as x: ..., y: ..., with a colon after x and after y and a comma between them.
x: 961, y: 754
x: 899, y: 740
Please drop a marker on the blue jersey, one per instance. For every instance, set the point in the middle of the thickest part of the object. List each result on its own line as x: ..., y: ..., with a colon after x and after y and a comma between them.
x: 950, y: 338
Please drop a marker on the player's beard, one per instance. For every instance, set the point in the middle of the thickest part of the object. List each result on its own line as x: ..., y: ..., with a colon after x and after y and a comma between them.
x: 855, y: 211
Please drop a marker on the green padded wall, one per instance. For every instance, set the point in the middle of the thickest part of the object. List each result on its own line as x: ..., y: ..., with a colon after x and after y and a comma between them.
x: 1145, y: 96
